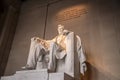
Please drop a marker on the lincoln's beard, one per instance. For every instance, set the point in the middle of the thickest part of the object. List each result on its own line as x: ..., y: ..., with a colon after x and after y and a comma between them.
x: 60, y: 32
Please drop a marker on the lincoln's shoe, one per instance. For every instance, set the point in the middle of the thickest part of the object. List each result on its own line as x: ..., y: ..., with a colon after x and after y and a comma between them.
x: 27, y: 67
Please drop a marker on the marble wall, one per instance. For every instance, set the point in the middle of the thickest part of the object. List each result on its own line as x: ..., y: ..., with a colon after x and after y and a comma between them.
x: 98, y: 28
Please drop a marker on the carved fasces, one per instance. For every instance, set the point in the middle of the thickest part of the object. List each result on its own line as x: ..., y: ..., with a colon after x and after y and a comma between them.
x: 43, y: 42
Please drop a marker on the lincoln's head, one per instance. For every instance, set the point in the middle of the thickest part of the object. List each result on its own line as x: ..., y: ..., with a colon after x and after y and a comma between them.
x: 60, y: 29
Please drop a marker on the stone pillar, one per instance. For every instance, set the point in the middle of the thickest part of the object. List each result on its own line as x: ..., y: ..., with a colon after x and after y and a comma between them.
x: 7, y: 35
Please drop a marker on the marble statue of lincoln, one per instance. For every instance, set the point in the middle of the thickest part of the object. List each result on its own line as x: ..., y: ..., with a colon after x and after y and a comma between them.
x: 55, y: 48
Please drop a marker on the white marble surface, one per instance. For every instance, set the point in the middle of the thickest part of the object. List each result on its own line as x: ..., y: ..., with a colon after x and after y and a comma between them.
x: 32, y: 75
x: 37, y: 75
x: 7, y: 78
x: 59, y: 76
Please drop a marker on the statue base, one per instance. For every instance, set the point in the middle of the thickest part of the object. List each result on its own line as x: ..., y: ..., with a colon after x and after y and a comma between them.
x: 42, y: 74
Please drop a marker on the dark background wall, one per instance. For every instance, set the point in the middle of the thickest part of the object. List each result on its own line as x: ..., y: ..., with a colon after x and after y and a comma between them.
x: 9, y: 11
x: 98, y: 27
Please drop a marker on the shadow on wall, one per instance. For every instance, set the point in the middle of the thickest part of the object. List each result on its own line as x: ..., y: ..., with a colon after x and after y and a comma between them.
x: 93, y: 74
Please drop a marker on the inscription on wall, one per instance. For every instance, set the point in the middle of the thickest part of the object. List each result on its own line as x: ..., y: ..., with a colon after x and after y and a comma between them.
x: 70, y: 14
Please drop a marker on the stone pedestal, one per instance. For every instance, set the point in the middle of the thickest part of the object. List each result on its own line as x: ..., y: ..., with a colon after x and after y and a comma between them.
x: 59, y: 76
x: 32, y: 75
x: 8, y: 78
x: 37, y: 75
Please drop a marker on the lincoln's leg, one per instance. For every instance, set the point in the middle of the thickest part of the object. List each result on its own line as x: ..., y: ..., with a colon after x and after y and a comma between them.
x: 35, y: 55
x: 52, y: 58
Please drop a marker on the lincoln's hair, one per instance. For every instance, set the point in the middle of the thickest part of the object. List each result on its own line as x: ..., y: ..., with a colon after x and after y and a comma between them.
x: 61, y: 26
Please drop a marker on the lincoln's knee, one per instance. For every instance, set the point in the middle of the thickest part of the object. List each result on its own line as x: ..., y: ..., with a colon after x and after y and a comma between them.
x: 38, y: 46
x: 52, y: 43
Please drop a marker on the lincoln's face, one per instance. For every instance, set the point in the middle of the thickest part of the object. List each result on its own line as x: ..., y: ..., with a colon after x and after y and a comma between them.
x: 60, y: 29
